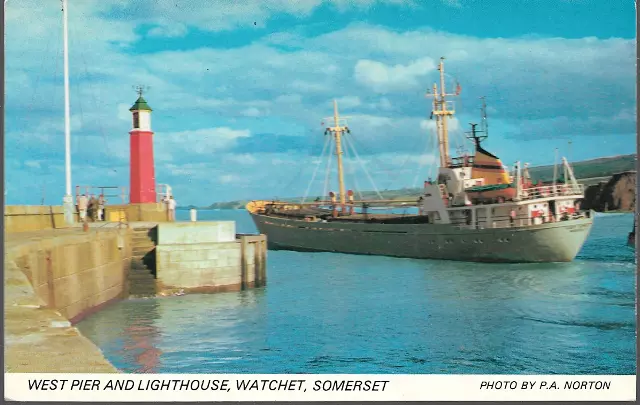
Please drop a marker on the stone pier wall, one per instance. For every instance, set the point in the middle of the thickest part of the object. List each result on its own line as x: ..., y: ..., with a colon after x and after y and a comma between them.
x: 25, y: 218
x: 52, y: 279
x: 148, y: 212
x: 209, y: 257
x: 76, y: 273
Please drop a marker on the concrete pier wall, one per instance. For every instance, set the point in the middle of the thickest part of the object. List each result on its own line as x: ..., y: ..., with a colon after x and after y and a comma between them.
x: 52, y: 279
x: 25, y: 218
x: 148, y: 212
x: 76, y: 273
x: 209, y: 257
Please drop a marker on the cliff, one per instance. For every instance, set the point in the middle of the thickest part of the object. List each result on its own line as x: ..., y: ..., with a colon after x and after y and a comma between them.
x: 617, y: 194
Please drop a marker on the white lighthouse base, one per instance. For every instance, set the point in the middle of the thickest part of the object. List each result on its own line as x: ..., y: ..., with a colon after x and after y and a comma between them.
x: 69, y: 209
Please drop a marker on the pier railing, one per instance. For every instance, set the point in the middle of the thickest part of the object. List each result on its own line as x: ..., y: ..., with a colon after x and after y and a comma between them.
x: 108, y: 192
x: 163, y: 191
x: 120, y: 194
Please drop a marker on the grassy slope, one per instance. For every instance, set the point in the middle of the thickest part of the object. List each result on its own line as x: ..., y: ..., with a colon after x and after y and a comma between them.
x: 587, y: 169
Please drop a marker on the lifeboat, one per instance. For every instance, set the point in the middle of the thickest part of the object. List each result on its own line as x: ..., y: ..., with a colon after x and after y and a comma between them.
x: 492, y: 192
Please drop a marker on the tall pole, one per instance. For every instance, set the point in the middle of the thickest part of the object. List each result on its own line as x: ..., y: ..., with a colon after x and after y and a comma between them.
x: 443, y: 106
x: 338, y: 134
x: 68, y: 199
x: 555, y: 169
x: 485, y: 124
x: 441, y: 112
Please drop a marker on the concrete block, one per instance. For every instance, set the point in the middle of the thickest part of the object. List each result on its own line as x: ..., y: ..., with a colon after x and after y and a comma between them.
x: 196, y: 232
x: 42, y: 291
x: 67, y: 290
x: 83, y: 255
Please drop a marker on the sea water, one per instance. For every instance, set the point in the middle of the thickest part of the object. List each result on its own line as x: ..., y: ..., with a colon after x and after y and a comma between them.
x: 338, y: 313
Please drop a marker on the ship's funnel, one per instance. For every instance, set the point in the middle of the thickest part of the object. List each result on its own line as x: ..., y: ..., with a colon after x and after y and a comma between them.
x: 488, y: 167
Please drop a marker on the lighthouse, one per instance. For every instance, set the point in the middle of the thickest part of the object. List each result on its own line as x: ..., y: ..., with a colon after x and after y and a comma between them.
x: 142, y: 185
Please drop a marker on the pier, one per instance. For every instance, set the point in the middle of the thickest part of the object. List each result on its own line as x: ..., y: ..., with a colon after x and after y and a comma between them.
x: 56, y: 275
x: 64, y: 262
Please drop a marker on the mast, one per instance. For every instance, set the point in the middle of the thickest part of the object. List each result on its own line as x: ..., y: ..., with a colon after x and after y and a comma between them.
x: 485, y: 123
x: 555, y: 169
x: 441, y: 111
x: 67, y: 200
x: 337, y: 130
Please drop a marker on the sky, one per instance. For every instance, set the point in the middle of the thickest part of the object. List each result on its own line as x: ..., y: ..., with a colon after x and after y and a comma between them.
x: 240, y: 89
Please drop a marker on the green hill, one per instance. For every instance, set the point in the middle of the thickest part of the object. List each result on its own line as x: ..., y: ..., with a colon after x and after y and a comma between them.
x: 588, y: 171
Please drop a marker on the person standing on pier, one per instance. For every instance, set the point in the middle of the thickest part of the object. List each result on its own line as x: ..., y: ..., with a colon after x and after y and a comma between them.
x: 171, y: 206
x: 101, y: 202
x: 82, y: 207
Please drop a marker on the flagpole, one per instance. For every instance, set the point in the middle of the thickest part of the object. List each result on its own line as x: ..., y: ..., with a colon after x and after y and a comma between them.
x: 68, y: 199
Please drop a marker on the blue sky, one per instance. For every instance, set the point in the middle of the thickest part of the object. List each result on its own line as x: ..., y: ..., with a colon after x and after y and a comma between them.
x: 240, y: 88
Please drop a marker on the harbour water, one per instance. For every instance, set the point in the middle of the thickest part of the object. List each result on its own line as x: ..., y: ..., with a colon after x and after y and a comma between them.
x: 336, y: 313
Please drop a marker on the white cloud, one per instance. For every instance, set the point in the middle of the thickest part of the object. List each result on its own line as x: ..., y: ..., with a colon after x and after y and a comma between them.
x: 349, y: 101
x: 287, y: 80
x: 383, y: 78
x: 243, y: 159
x: 229, y: 178
x: 251, y: 112
x: 168, y: 30
x: 34, y: 164
x: 202, y: 141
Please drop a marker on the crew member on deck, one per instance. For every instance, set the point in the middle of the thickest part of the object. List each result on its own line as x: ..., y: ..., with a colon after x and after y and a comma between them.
x: 512, y: 217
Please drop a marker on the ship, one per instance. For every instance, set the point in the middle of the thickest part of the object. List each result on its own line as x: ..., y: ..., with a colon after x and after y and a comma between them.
x: 476, y: 210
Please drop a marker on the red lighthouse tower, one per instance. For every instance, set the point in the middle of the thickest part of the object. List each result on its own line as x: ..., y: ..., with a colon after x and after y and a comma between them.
x: 142, y: 185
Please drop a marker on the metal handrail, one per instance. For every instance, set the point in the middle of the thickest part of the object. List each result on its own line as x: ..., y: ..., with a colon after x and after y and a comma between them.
x: 95, y: 191
x: 558, y: 190
x: 163, y: 191
x: 502, y: 221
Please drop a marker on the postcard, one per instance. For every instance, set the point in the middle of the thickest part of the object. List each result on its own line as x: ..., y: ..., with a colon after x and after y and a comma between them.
x: 358, y: 200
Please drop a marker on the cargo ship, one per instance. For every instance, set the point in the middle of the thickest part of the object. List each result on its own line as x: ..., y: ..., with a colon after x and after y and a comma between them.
x: 475, y: 211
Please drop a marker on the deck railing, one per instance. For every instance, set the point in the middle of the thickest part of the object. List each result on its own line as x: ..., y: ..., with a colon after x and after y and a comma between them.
x: 518, y: 221
x: 551, y: 191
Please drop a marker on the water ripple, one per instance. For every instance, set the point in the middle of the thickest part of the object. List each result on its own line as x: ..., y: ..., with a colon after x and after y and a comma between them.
x: 333, y: 313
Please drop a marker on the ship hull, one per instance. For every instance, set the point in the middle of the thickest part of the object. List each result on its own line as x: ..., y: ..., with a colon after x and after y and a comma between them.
x: 550, y: 242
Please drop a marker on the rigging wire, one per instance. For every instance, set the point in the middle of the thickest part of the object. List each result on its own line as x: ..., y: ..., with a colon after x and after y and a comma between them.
x: 400, y: 170
x: 377, y: 162
x: 328, y: 170
x: 364, y: 168
x: 434, y: 164
x: 353, y: 173
x: 429, y: 144
x: 315, y: 172
x: 298, y: 164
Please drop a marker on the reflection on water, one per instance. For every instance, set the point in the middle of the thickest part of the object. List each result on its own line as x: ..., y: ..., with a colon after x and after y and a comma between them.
x: 334, y: 313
